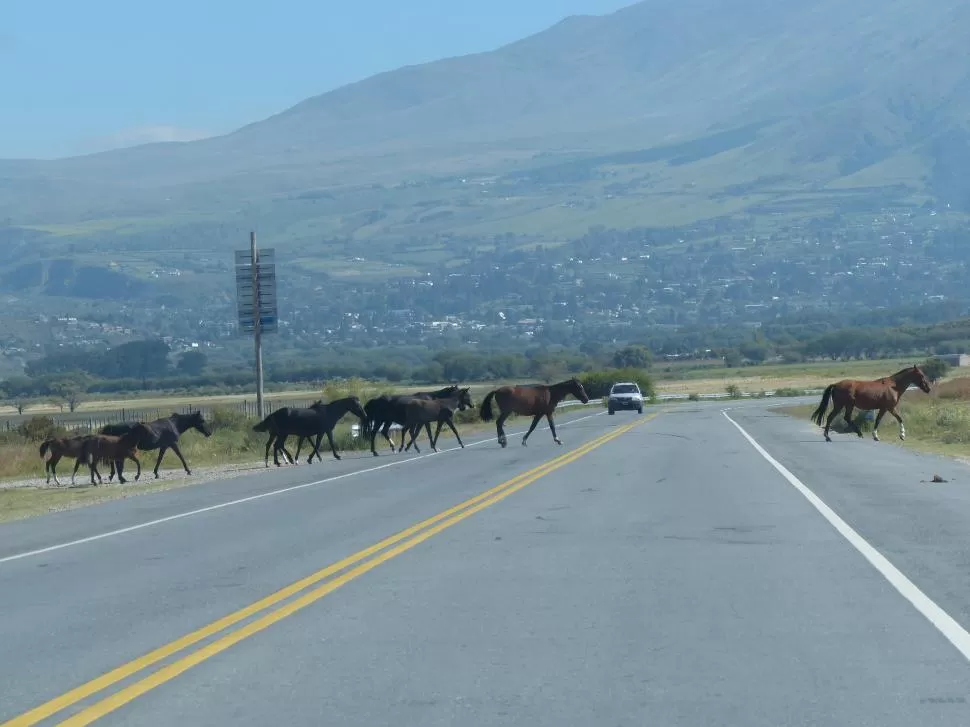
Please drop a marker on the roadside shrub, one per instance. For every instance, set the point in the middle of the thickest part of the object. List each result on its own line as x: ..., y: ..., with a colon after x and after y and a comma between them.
x: 39, y: 428
x: 598, y: 383
x: 227, y: 418
x: 733, y: 391
x: 788, y: 391
x: 693, y: 397
x: 935, y: 368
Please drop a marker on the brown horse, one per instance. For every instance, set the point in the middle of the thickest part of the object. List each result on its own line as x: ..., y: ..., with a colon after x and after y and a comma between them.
x: 535, y: 400
x: 882, y: 394
x: 422, y: 412
x: 107, y: 448
x: 60, y: 447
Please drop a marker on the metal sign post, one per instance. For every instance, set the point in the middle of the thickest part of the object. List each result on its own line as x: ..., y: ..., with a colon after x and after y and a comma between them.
x: 256, y: 302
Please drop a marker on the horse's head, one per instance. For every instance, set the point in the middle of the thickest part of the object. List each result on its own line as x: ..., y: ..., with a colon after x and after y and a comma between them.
x: 197, y: 422
x: 356, y: 408
x: 919, y: 378
x: 577, y: 390
x: 464, y: 400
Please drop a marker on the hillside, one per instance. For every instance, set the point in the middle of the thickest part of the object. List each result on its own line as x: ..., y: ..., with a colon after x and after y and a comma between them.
x: 664, y: 114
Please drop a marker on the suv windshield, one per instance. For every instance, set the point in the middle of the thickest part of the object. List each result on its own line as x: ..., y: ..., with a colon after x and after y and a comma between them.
x: 625, y: 389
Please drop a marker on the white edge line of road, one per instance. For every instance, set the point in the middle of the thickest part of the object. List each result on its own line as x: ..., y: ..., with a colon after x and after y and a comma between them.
x: 944, y: 623
x: 253, y: 498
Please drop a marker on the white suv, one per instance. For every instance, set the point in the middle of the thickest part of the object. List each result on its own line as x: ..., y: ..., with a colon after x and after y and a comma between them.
x: 625, y: 395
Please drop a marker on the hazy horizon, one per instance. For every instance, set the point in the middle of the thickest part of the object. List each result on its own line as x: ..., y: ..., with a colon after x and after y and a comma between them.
x: 224, y: 67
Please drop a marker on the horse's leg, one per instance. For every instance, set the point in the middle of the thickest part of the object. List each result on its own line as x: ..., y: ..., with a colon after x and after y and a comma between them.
x: 501, y: 430
x: 94, y: 471
x: 386, y: 431
x: 178, y: 453
x: 161, y: 453
x: 416, y: 428
x: 552, y: 428
x: 451, y: 424
x: 414, y: 433
x: 269, y: 442
x: 902, y: 427
x: 51, y: 468
x: 134, y: 459
x: 875, y: 427
x: 535, y: 422
x: 431, y: 440
x: 120, y: 463
x: 849, y: 421
x: 333, y: 447
x: 314, y: 445
x: 437, y: 433
x: 836, y: 408
x: 404, y: 433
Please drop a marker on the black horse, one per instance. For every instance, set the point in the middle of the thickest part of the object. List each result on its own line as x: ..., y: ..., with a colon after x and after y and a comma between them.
x: 425, y: 411
x: 385, y: 410
x: 317, y: 420
x: 165, y: 435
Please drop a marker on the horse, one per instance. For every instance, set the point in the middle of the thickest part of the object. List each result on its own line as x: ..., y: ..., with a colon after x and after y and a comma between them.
x: 535, y: 400
x: 62, y: 447
x: 279, y: 443
x: 106, y: 448
x: 424, y: 411
x: 387, y: 409
x: 317, y: 420
x: 882, y: 394
x: 163, y: 435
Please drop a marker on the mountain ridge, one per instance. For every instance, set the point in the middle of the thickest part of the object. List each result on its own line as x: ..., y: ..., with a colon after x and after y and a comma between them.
x: 825, y: 82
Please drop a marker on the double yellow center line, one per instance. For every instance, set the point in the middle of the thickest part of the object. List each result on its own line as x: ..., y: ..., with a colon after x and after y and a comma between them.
x: 358, y: 564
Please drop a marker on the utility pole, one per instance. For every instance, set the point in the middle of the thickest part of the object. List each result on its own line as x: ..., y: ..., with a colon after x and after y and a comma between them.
x: 257, y: 326
x: 256, y: 302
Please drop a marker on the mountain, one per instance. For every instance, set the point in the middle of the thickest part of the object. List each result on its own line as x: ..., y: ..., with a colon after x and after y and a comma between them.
x: 665, y: 112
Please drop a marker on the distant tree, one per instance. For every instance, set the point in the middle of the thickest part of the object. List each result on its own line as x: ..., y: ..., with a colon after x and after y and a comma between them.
x: 733, y: 359
x: 935, y: 368
x: 634, y: 357
x: 192, y: 363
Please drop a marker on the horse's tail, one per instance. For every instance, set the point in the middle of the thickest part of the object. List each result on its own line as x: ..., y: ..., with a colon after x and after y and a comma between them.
x: 820, y: 412
x: 485, y: 411
x: 264, y: 425
x: 45, y: 445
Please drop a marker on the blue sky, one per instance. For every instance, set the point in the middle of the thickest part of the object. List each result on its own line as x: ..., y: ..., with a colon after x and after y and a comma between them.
x: 79, y: 77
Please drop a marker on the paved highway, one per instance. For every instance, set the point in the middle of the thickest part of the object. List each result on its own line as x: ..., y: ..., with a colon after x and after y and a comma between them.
x: 698, y: 568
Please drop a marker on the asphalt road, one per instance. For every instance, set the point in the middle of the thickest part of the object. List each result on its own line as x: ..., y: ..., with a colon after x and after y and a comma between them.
x: 667, y: 573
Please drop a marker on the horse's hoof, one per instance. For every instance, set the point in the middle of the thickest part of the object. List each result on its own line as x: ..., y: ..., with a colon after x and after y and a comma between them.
x: 559, y: 442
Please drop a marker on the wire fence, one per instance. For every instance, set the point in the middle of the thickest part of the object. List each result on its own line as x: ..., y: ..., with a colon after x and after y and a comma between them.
x: 95, y: 420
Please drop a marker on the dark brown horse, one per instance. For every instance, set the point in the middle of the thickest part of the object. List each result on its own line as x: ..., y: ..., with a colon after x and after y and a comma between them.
x: 422, y: 412
x: 58, y: 448
x: 882, y: 394
x: 107, y: 448
x: 535, y: 400
x: 315, y: 421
